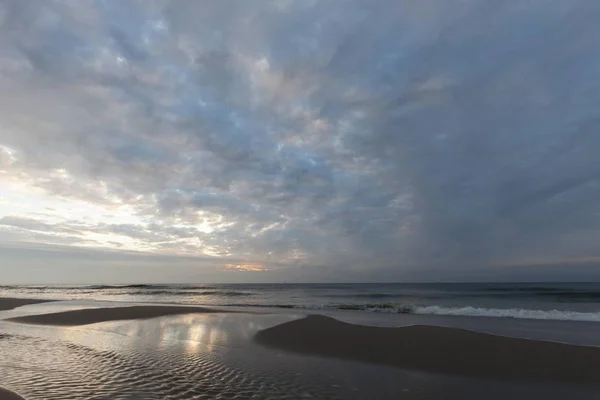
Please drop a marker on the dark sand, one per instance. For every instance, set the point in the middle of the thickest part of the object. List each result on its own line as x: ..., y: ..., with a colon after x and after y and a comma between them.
x: 438, y: 350
x: 8, y: 395
x: 10, y: 303
x: 94, y: 315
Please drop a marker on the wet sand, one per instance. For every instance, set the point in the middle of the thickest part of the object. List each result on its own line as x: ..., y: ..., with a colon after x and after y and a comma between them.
x: 95, y: 315
x: 195, y: 352
x: 11, y: 303
x: 8, y: 395
x: 439, y: 350
x: 432, y: 349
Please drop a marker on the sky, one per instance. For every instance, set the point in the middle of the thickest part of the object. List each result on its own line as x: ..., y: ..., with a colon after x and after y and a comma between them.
x: 280, y: 140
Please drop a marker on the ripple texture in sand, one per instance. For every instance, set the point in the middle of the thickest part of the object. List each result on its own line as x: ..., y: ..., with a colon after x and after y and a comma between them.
x: 48, y: 368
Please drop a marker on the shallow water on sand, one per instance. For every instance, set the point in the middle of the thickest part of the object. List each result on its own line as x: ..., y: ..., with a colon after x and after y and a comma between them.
x: 211, y: 356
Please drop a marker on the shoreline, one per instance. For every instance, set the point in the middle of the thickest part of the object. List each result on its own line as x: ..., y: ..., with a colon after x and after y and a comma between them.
x: 534, y: 314
x: 444, y: 351
x: 556, y: 331
x: 106, y: 314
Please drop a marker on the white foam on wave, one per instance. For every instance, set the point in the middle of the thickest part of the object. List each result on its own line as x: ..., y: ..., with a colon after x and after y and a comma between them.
x: 508, y: 313
x: 559, y: 315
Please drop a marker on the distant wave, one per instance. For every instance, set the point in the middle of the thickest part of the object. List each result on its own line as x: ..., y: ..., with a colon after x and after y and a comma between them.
x: 365, y: 295
x: 190, y: 293
x: 136, y: 289
x: 559, y: 295
x: 572, y: 295
x: 525, y: 289
x: 541, y: 291
x: 81, y: 287
x: 550, y: 293
x: 135, y: 286
x: 140, y: 287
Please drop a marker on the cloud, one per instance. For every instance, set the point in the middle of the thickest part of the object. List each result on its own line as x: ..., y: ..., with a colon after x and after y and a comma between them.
x: 408, y: 137
x: 246, y: 267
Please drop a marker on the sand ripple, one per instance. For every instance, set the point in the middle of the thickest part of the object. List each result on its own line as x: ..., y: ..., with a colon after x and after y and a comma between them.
x: 47, y: 368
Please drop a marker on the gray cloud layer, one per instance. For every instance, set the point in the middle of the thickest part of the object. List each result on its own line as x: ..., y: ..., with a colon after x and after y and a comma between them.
x: 353, y: 137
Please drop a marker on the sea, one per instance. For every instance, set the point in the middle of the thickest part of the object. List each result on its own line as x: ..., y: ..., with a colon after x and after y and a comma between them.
x: 544, y: 301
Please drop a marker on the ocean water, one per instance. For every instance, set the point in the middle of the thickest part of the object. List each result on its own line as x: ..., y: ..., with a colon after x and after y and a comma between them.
x: 549, y: 301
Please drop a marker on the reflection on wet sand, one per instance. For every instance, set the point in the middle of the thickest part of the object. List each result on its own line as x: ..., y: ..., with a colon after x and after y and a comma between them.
x: 197, y: 330
x: 177, y: 357
x: 194, y: 332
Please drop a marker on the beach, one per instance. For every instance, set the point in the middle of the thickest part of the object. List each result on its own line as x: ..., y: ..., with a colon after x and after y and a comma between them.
x: 88, y: 350
x: 439, y: 350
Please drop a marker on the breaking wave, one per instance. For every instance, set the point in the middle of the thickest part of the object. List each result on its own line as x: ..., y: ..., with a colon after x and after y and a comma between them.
x: 366, y: 295
x: 449, y: 311
x: 191, y: 293
x: 509, y: 313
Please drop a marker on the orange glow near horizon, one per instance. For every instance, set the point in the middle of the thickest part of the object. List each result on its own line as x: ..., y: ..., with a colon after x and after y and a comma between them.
x: 246, y: 267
